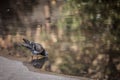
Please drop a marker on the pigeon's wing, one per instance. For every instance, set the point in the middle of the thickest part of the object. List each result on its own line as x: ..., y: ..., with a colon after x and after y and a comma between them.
x: 33, y: 46
x: 28, y: 44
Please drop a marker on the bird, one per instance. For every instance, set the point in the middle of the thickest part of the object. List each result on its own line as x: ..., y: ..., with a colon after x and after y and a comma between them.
x: 35, y: 48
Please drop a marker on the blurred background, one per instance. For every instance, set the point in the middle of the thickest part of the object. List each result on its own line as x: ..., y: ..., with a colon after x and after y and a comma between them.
x: 82, y: 37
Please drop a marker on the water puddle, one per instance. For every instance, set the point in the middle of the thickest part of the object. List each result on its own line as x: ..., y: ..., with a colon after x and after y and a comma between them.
x: 38, y: 63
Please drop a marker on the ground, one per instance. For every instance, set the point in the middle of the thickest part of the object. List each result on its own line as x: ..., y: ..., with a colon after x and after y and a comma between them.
x: 15, y: 70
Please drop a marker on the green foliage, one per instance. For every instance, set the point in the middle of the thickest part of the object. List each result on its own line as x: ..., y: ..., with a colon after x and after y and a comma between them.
x: 95, y: 20
x: 85, y: 29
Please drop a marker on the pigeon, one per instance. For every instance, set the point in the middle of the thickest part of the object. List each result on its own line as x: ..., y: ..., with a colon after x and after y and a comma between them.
x: 35, y: 48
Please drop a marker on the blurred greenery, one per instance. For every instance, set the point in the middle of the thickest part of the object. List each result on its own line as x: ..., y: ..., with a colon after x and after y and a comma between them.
x: 82, y: 39
x: 98, y: 22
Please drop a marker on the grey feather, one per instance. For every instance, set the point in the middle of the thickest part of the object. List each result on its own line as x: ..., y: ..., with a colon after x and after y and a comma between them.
x: 35, y: 48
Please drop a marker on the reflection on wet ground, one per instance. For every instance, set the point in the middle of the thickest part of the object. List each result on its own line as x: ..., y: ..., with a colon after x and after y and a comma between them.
x: 38, y: 63
x: 15, y: 70
x: 41, y: 62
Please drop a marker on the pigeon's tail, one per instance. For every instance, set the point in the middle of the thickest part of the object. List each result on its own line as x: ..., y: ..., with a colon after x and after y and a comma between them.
x: 26, y: 41
x: 27, y: 44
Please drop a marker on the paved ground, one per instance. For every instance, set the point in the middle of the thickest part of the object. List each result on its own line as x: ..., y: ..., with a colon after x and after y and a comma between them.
x: 15, y: 70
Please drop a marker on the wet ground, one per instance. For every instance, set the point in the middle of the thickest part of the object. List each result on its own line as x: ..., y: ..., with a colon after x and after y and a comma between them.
x: 16, y: 70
